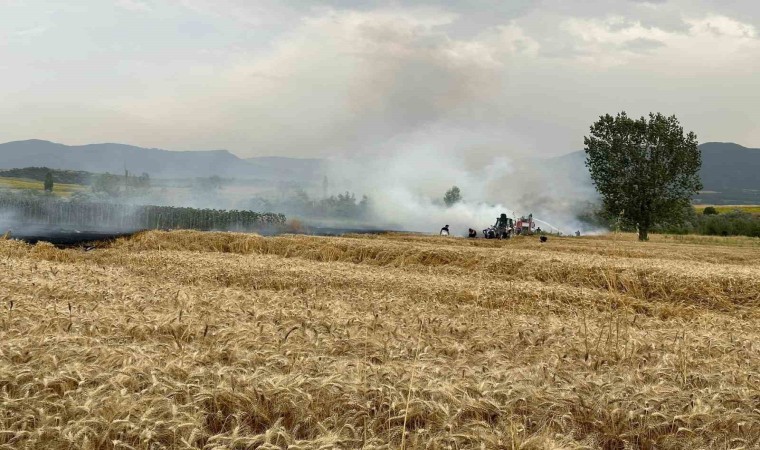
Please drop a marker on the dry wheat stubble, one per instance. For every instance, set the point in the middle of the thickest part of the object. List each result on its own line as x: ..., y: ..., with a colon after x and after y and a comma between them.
x: 218, y: 340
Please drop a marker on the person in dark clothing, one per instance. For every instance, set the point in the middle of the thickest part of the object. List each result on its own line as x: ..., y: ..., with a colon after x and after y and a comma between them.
x: 445, y: 231
x: 473, y: 233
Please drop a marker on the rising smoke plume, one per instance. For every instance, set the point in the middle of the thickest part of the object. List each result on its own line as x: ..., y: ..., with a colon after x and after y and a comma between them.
x: 407, y: 180
x: 428, y: 112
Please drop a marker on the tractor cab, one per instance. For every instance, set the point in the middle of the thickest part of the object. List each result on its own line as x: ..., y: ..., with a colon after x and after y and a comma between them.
x: 503, y: 222
x: 502, y: 229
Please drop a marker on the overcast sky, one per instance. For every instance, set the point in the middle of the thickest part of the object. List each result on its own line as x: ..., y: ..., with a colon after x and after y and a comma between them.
x: 336, y: 77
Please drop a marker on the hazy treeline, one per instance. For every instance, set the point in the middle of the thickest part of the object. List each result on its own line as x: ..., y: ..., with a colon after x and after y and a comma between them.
x: 105, y: 183
x: 734, y: 223
x: 115, y: 185
x: 298, y: 203
x: 59, y: 176
x: 49, y: 210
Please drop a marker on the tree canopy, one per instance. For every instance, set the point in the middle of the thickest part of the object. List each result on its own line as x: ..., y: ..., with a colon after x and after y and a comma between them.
x: 646, y: 170
x: 48, y: 183
x: 108, y: 183
x: 452, y: 196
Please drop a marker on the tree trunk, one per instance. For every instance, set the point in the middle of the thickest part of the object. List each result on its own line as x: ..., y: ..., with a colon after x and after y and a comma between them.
x: 643, y: 233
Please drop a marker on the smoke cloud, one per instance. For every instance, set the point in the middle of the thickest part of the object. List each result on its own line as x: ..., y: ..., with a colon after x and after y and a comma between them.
x: 406, y: 183
x: 410, y: 113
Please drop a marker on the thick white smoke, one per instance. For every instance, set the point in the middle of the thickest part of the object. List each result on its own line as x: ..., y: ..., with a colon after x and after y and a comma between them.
x: 406, y: 182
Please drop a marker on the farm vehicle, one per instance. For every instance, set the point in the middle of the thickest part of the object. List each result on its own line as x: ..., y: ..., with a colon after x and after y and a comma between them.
x: 506, y: 227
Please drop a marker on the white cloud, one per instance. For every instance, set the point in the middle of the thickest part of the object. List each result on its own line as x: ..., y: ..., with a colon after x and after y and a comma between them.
x: 34, y: 31
x: 722, y: 26
x: 616, y: 40
x: 134, y: 5
x: 613, y: 30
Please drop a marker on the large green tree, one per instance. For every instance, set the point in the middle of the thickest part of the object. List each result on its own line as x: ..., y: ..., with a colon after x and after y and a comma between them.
x: 646, y: 170
x: 452, y: 196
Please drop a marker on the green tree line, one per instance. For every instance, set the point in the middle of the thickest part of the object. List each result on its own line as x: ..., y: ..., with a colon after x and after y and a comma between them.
x: 57, y: 212
x: 735, y: 223
x: 40, y: 173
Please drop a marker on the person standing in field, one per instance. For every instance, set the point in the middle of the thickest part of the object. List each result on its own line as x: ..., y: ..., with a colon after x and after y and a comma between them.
x: 445, y: 230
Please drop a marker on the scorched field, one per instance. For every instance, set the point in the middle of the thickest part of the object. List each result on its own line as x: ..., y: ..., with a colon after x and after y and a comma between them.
x: 216, y: 340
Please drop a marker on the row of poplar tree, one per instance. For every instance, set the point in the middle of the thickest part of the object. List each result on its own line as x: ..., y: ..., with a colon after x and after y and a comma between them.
x: 52, y: 211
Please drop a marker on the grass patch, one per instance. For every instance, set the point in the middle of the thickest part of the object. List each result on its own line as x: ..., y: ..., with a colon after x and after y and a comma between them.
x: 60, y: 189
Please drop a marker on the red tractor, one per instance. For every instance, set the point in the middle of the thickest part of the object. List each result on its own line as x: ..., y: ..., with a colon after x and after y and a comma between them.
x: 505, y: 227
x: 525, y: 225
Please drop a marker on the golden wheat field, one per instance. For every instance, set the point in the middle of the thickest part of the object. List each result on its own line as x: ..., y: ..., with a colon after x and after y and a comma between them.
x: 217, y: 340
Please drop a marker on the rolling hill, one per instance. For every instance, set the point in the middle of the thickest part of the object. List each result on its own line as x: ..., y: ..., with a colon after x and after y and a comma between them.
x: 730, y: 172
x: 114, y: 158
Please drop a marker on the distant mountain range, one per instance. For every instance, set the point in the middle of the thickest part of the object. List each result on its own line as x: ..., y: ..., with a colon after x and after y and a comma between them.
x: 115, y: 158
x: 730, y: 173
